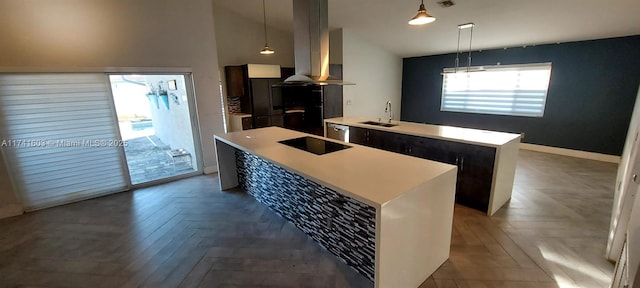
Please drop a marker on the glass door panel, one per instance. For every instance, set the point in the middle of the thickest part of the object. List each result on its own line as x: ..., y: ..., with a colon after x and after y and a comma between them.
x: 155, y: 122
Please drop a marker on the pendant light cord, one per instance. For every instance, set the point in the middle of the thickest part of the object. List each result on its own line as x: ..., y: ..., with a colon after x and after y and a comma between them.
x: 469, y: 58
x: 264, y: 16
x: 458, y: 52
x: 460, y: 27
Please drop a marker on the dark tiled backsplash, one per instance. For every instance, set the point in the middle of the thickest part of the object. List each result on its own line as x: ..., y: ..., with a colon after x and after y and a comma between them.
x: 234, y: 104
x: 342, y: 225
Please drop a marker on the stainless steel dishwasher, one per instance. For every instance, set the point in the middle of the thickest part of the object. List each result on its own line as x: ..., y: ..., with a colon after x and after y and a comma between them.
x: 338, y: 132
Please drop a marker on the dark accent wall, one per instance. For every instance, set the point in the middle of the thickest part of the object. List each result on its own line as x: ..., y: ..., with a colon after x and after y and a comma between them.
x: 591, y: 93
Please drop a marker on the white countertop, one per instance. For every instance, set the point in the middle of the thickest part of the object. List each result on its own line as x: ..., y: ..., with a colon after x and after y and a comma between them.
x: 370, y: 175
x: 457, y: 134
x: 241, y: 115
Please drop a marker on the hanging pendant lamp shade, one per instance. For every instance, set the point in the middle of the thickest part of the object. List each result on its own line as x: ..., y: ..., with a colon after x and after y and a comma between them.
x: 266, y: 50
x: 422, y: 17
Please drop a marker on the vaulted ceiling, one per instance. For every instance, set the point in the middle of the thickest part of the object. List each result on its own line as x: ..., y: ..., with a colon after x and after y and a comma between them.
x: 499, y: 23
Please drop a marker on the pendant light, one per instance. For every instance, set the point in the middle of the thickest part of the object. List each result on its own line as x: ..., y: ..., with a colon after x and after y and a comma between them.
x: 422, y: 17
x: 266, y: 50
x: 460, y: 28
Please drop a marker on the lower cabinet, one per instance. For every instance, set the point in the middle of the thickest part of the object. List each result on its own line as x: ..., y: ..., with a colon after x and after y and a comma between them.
x: 261, y: 121
x: 277, y: 120
x: 247, y: 123
x: 372, y: 138
x: 240, y: 122
x: 266, y: 121
x: 475, y: 163
x: 359, y: 136
x: 475, y: 174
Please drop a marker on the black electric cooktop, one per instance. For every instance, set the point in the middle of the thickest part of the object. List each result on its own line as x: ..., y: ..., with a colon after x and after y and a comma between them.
x: 314, y: 145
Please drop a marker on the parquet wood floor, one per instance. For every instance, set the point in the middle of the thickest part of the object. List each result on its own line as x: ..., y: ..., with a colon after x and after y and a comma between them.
x: 189, y: 234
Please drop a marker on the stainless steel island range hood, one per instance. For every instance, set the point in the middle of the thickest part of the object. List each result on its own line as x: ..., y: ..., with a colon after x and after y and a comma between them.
x: 311, y: 45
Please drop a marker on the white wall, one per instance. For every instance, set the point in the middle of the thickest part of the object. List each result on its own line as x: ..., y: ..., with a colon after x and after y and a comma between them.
x: 377, y: 74
x: 239, y: 40
x: 97, y: 35
x: 172, y: 125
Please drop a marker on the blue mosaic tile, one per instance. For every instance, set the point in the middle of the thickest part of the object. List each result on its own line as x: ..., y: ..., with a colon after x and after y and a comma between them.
x: 341, y: 224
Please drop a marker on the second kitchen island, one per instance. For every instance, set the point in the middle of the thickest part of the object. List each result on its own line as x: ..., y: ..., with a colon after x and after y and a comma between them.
x: 389, y: 216
x: 486, y: 160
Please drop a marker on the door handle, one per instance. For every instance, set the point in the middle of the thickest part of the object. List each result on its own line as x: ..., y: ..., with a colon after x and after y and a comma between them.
x: 635, y: 178
x: 460, y: 163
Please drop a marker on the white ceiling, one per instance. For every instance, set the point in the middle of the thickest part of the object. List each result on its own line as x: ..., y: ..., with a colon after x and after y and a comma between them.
x: 499, y: 23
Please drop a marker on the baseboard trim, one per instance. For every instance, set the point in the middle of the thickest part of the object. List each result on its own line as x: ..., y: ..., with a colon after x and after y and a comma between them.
x: 210, y: 169
x: 571, y: 153
x: 10, y: 211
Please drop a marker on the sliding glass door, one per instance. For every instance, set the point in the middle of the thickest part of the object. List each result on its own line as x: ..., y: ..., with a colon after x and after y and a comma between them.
x: 73, y: 136
x: 155, y: 122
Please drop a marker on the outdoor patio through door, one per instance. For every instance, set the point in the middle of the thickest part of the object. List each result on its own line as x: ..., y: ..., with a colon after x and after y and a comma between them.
x: 154, y: 119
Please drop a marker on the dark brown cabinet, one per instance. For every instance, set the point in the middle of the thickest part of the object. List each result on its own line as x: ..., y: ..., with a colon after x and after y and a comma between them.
x: 393, y: 142
x: 332, y: 102
x: 302, y: 108
x: 476, y: 176
x: 235, y: 81
x: 247, y: 123
x: 333, y: 94
x: 277, y: 120
x: 372, y: 138
x: 475, y: 163
x: 261, y: 121
x: 256, y: 96
x: 260, y: 96
x: 267, y: 121
x: 475, y: 168
x: 358, y: 135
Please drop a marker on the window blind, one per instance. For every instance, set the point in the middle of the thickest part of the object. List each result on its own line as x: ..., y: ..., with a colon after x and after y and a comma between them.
x: 518, y: 90
x: 59, y: 137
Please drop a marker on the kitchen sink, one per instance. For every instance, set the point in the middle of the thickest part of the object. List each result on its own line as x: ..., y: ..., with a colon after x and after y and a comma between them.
x: 378, y: 124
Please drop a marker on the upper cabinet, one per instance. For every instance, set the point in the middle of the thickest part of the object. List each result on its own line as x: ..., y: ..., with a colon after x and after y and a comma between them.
x: 252, y: 84
x: 235, y: 80
x: 297, y: 107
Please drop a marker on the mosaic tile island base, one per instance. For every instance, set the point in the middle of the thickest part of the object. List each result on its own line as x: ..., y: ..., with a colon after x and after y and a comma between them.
x: 386, y: 215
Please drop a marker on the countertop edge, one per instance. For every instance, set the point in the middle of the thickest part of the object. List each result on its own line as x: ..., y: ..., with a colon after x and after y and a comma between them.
x: 319, y: 181
x: 371, y: 202
x: 354, y: 121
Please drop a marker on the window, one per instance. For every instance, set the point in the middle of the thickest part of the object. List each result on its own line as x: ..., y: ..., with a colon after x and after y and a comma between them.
x: 517, y: 90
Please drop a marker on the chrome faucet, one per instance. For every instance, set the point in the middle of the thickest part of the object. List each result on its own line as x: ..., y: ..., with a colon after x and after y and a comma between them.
x: 387, y: 109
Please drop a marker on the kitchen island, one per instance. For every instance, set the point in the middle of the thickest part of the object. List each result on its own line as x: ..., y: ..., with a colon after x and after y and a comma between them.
x: 486, y: 160
x: 388, y: 216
